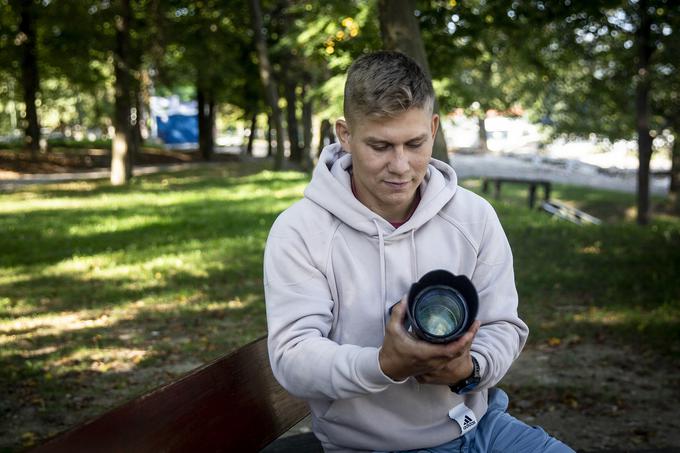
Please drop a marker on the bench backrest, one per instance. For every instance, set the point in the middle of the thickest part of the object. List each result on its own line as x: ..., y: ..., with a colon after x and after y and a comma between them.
x: 231, y: 404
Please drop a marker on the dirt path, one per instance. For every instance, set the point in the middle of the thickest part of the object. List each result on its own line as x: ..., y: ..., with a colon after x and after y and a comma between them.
x: 555, y: 170
x: 597, y: 396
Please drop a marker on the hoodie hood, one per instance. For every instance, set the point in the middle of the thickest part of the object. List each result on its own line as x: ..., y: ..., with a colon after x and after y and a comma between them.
x: 331, y: 189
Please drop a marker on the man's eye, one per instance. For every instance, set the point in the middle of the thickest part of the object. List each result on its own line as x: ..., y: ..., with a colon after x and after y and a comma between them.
x: 415, y: 145
x: 380, y: 147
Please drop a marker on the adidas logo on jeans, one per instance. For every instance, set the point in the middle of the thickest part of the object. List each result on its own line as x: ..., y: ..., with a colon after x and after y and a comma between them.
x: 468, y: 423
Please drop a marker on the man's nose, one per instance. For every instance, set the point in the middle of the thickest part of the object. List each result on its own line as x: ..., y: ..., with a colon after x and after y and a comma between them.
x: 399, y: 161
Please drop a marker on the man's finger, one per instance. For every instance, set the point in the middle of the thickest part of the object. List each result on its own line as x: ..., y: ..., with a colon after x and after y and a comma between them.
x: 398, y: 312
x: 399, y: 308
x: 458, y: 347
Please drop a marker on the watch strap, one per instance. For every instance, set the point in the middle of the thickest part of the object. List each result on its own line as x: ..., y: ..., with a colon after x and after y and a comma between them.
x: 465, y: 385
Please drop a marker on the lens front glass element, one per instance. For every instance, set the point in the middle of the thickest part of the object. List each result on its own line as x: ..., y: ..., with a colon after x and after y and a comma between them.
x: 440, y: 311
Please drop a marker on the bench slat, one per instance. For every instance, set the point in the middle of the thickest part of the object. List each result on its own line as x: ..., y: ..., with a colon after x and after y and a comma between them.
x: 231, y: 404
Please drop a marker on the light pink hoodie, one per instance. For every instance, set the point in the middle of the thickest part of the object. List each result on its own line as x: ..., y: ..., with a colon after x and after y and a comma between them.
x: 332, y: 269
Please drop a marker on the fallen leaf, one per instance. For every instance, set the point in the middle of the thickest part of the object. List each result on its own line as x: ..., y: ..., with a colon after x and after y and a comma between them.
x: 554, y: 341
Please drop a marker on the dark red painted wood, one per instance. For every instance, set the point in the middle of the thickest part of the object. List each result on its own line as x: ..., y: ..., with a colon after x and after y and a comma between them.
x: 233, y: 404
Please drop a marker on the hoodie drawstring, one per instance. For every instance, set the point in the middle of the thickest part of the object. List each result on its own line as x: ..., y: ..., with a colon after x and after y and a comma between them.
x: 414, y: 261
x: 383, y: 276
x: 383, y: 273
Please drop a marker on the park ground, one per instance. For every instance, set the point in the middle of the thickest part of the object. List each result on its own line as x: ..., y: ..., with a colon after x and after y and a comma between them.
x: 106, y: 293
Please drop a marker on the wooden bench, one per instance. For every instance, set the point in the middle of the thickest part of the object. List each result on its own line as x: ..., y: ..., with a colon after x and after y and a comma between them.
x: 532, y: 183
x: 233, y: 404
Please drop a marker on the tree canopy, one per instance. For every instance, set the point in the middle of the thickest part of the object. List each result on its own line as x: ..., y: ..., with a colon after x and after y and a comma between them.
x: 608, y: 68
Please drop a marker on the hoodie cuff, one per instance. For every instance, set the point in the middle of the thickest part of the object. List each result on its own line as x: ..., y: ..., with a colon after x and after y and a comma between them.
x: 483, y: 365
x: 373, y: 375
x: 376, y: 373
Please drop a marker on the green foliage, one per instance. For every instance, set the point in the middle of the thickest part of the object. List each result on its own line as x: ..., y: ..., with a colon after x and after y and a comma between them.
x: 323, y: 38
x: 591, y: 50
x: 472, y: 54
x: 206, y: 43
x: 572, y: 65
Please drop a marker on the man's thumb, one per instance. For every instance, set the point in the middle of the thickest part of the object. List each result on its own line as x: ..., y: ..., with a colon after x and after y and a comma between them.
x: 398, y: 311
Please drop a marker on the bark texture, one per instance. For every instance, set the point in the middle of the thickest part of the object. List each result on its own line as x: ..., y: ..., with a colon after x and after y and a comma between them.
x: 123, y: 142
x: 643, y: 112
x: 29, y: 75
x: 400, y: 31
x: 268, y: 80
x: 206, y: 123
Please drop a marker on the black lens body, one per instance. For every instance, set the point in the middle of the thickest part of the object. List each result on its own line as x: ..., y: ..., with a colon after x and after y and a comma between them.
x: 441, y: 306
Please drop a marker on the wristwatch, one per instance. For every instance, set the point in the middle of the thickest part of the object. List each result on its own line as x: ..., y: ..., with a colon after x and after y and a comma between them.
x: 466, y: 385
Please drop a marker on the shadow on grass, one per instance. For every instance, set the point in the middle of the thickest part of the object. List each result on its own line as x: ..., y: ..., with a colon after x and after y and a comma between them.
x: 81, y: 370
x: 222, y: 176
x: 227, y: 270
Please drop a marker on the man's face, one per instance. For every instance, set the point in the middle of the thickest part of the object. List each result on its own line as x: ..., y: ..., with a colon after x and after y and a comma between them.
x: 389, y: 158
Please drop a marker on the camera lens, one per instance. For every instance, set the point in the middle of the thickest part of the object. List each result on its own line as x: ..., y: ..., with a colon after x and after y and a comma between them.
x: 441, y: 306
x: 440, y: 311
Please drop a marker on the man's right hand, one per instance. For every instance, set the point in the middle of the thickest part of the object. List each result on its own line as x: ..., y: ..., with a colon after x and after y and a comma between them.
x: 402, y: 355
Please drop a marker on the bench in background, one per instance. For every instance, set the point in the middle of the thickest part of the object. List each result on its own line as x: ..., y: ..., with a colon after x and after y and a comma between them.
x: 532, y: 183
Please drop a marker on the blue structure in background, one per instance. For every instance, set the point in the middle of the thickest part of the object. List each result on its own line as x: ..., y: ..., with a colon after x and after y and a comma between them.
x: 178, y: 129
x: 175, y: 122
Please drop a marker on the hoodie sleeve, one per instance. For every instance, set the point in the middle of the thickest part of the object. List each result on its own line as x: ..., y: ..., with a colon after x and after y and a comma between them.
x: 502, y: 334
x: 299, y: 319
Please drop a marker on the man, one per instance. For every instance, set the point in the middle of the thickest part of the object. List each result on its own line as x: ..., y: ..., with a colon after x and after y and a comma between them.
x: 378, y: 214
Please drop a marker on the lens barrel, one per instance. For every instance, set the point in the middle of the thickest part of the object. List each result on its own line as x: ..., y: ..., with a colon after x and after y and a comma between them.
x: 441, y: 306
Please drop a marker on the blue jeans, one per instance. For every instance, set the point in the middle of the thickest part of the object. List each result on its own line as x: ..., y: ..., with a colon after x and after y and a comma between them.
x: 500, y: 432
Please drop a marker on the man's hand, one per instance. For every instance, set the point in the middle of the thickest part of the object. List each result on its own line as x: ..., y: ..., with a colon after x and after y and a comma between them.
x: 402, y: 355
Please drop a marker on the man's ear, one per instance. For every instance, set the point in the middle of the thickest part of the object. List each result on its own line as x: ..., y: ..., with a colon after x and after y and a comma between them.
x: 342, y: 132
x: 435, y: 125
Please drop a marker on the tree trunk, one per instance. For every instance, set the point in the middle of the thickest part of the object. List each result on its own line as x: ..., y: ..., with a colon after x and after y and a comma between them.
x: 253, y: 132
x: 122, y: 146
x: 200, y: 101
x: 675, y: 173
x: 270, y: 138
x: 675, y: 166
x: 643, y: 113
x: 29, y: 75
x: 291, y: 121
x: 307, y: 127
x: 325, y: 135
x: 481, y: 121
x: 268, y: 81
x: 206, y: 123
x: 136, y: 120
x: 211, y: 125
x: 143, y: 103
x: 400, y: 31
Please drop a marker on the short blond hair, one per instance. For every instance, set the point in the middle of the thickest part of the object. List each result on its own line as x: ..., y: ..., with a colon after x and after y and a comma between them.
x: 385, y: 84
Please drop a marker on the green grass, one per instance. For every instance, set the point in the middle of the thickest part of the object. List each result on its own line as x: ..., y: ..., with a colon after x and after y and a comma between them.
x: 107, y: 292
x: 99, y: 284
x: 71, y: 144
x: 615, y: 280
